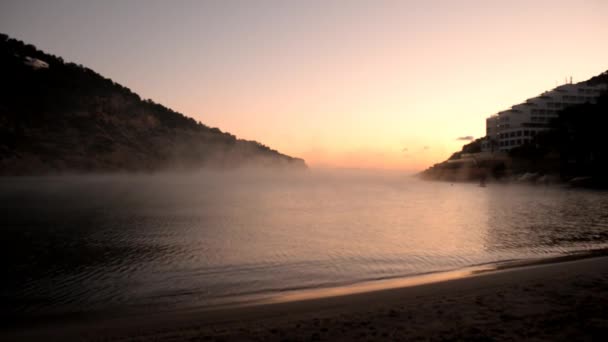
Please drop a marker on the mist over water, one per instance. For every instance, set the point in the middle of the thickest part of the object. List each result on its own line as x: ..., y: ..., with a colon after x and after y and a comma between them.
x: 97, y: 243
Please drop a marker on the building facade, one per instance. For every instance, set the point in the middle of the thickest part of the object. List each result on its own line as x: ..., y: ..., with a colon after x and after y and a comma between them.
x: 519, y: 124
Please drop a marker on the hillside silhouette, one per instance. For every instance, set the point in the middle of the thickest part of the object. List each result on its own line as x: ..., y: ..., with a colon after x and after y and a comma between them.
x: 63, y: 117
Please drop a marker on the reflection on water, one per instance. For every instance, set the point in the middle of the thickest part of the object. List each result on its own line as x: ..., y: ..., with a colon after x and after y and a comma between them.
x: 105, y: 243
x: 377, y: 285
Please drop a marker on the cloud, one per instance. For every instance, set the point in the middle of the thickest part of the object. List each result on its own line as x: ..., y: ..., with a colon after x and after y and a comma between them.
x: 466, y: 138
x: 426, y: 148
x: 405, y: 149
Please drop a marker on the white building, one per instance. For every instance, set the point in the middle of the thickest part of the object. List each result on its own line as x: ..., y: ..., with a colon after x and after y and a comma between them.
x: 516, y: 126
x: 36, y: 63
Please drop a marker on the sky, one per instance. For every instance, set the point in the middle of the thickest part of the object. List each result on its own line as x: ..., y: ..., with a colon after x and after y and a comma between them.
x: 354, y: 84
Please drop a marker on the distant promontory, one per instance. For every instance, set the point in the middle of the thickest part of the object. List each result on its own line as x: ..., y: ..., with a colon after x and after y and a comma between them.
x: 58, y: 117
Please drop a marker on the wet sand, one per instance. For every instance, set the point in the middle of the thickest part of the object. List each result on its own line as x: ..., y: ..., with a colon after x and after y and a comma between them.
x: 562, y: 300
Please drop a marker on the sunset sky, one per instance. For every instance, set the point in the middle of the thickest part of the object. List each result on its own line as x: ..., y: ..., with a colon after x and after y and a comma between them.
x: 366, y: 84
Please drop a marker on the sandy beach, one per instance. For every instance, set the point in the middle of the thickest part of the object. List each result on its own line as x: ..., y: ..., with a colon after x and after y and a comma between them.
x: 560, y: 300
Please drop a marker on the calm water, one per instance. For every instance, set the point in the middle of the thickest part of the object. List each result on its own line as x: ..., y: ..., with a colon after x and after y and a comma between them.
x: 73, y: 244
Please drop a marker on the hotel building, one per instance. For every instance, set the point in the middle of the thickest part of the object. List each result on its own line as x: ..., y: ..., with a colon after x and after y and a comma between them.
x: 517, y: 125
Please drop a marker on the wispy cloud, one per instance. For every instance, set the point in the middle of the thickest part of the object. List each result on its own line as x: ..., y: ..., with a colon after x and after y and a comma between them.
x: 466, y: 138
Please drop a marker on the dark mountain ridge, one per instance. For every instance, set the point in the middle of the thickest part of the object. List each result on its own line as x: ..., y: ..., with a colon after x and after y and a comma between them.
x: 63, y: 117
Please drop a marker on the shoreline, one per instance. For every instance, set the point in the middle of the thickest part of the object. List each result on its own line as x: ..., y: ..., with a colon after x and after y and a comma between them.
x: 420, y: 279
x: 337, y: 308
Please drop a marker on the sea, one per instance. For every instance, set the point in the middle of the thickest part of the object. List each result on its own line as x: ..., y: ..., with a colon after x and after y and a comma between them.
x: 97, y: 244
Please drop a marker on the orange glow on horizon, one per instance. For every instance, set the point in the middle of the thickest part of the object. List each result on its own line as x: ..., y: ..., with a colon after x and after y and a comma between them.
x: 388, y: 84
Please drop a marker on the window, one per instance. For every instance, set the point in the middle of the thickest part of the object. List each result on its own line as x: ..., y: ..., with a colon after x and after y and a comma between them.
x: 526, y: 133
x: 519, y: 133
